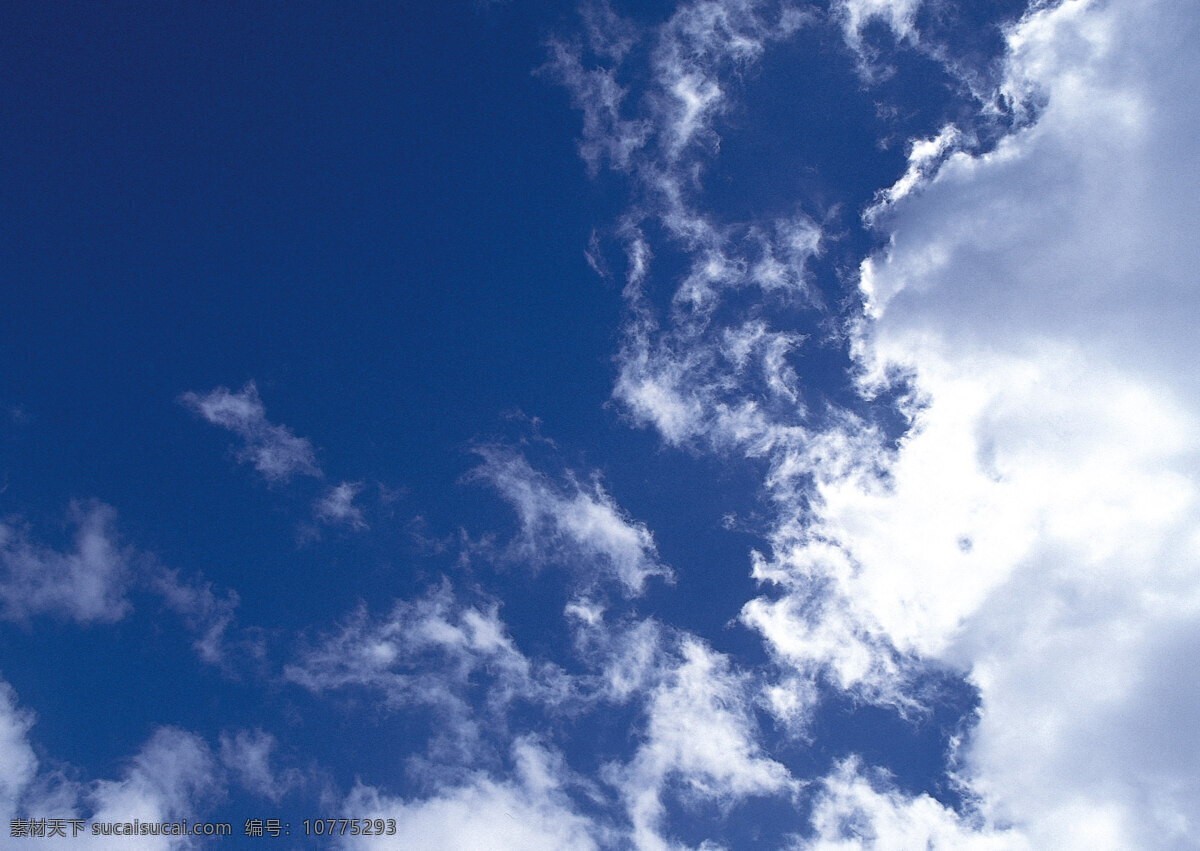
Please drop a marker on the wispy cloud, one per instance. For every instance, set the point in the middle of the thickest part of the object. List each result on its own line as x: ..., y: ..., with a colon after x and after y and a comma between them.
x: 727, y: 383
x: 428, y: 653
x: 274, y: 450
x: 700, y: 740
x: 208, y: 615
x: 87, y: 583
x: 609, y: 139
x: 898, y: 16
x: 91, y: 583
x: 855, y: 810
x: 337, y: 506
x: 528, y: 809
x: 572, y: 523
x: 247, y: 755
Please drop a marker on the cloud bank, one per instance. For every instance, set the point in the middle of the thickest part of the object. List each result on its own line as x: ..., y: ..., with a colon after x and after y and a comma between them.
x: 1032, y: 310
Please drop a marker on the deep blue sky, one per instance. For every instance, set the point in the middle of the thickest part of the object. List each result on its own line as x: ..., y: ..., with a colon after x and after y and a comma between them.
x: 370, y: 232
x: 379, y: 215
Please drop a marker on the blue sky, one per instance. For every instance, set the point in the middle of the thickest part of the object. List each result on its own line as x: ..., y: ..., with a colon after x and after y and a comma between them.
x: 722, y: 424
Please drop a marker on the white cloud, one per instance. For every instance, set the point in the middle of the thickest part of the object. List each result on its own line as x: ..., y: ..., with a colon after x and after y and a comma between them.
x: 630, y: 656
x: 897, y: 15
x: 698, y: 744
x: 527, y: 811
x: 167, y: 781
x: 203, y: 612
x: 86, y: 584
x: 430, y: 652
x: 700, y: 738
x: 274, y: 450
x: 16, y: 755
x: 247, y: 754
x: 337, y: 506
x: 572, y: 524
x: 171, y: 778
x: 853, y: 811
x: 1038, y: 527
x: 608, y: 137
x: 925, y: 157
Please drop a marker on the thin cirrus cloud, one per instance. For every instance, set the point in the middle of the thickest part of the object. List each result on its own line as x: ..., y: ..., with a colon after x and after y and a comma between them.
x: 337, y: 506
x: 87, y: 583
x: 91, y: 582
x: 529, y: 808
x: 277, y: 453
x: 248, y: 756
x: 719, y: 384
x: 433, y: 654
x: 571, y: 523
x: 209, y: 615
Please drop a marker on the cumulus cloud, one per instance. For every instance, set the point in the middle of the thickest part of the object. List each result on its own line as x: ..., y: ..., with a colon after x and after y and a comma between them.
x: 168, y: 780
x: 527, y: 810
x: 925, y: 157
x: 274, y: 450
x: 572, y: 524
x: 855, y: 811
x: 86, y: 584
x: 16, y: 754
x: 172, y: 777
x: 699, y: 737
x: 1037, y: 526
